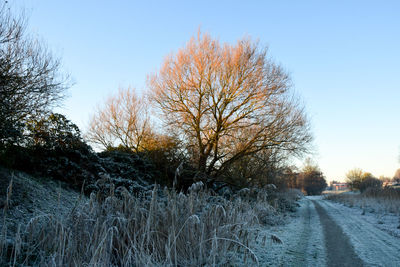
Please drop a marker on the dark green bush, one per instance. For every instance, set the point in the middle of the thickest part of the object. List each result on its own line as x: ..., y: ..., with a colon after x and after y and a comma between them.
x: 313, y: 182
x: 53, y: 147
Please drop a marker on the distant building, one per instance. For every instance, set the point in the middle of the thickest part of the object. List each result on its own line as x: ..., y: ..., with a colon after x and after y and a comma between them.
x: 394, y: 184
x: 339, y: 186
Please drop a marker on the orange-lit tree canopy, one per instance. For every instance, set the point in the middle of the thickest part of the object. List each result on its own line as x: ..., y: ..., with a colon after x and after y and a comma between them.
x: 228, y: 102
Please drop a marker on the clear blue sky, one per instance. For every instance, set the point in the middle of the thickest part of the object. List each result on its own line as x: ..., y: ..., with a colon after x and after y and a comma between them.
x: 343, y: 56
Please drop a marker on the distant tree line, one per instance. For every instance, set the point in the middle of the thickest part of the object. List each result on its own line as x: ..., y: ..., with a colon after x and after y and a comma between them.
x: 357, y: 179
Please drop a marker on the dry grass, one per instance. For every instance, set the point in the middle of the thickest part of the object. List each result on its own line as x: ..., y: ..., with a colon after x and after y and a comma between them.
x: 158, y: 228
x: 373, y: 200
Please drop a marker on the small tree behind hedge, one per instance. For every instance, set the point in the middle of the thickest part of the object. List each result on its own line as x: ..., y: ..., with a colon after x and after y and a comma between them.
x: 313, y: 182
x: 354, y: 178
x: 311, y: 179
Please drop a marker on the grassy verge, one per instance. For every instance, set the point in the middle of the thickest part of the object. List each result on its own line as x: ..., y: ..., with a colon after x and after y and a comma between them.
x: 155, y: 228
x: 373, y: 200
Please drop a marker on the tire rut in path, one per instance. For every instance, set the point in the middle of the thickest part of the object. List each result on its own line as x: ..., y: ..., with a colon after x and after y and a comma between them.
x: 338, y: 248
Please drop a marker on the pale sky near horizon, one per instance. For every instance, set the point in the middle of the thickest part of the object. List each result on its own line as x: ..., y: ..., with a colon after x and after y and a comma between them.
x: 343, y: 57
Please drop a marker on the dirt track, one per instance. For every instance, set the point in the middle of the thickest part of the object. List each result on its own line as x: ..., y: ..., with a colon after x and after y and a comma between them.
x: 351, y: 240
x: 372, y: 245
x: 325, y: 233
x: 339, y: 250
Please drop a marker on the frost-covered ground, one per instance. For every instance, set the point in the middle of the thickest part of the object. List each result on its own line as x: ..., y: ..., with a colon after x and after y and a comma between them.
x: 302, y: 240
x: 373, y: 238
x: 31, y: 197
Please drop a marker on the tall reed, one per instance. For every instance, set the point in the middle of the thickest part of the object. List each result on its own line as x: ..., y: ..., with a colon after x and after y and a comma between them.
x: 156, y: 228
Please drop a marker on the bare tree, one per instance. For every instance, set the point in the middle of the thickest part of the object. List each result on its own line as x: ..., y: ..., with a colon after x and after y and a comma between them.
x: 30, y: 78
x: 310, y: 166
x: 258, y: 169
x: 228, y: 102
x: 123, y: 120
x: 354, y: 178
